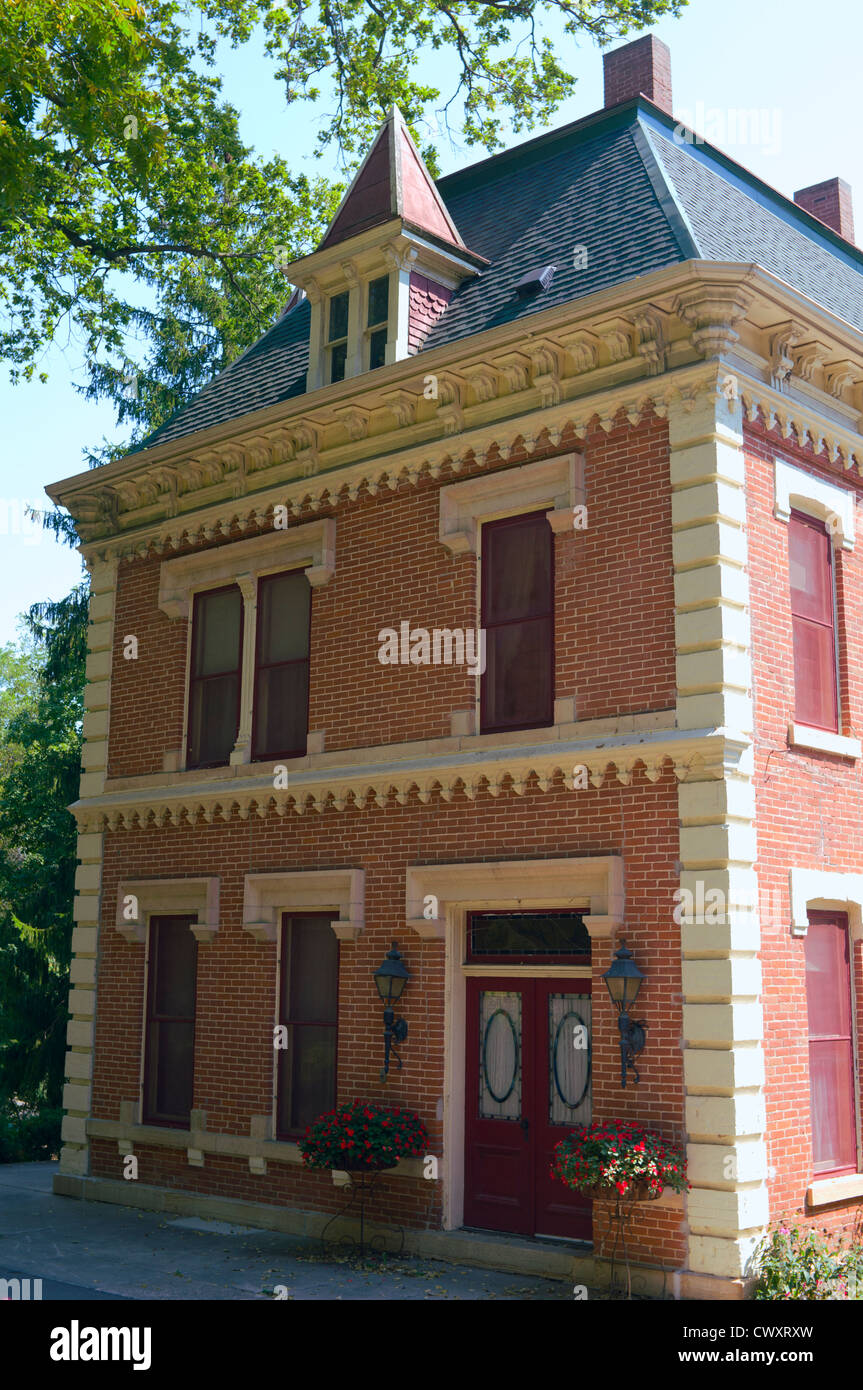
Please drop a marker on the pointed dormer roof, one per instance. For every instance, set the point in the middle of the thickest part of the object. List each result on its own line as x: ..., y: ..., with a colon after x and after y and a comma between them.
x: 392, y: 181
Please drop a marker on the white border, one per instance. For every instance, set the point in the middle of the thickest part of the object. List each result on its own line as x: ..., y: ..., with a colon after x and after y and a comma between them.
x: 831, y: 504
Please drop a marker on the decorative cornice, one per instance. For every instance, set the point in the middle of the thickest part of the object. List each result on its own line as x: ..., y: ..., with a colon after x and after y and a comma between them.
x: 474, y: 402
x: 485, y: 446
x: 798, y: 421
x: 181, y: 800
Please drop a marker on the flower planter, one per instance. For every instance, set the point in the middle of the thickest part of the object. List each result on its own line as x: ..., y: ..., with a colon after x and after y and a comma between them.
x: 363, y: 1137
x: 594, y: 1158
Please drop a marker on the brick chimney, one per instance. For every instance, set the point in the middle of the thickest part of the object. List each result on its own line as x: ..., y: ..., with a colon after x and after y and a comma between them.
x: 642, y: 67
x: 830, y: 202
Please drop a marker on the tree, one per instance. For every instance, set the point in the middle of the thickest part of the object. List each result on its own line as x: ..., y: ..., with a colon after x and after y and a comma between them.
x: 37, y: 858
x: 19, y: 683
x: 132, y: 214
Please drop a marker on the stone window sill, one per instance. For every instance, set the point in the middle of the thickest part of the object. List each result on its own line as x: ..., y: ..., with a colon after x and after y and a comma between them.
x: 827, y: 1190
x: 199, y: 1142
x: 803, y: 736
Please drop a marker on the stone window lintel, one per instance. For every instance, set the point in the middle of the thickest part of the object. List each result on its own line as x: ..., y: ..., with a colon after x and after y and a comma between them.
x: 555, y: 483
x: 168, y: 897
x: 311, y: 545
x: 267, y: 896
x: 795, y: 488
x: 523, y: 883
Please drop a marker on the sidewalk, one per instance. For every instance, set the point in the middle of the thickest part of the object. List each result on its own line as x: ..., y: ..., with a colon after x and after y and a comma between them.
x: 93, y: 1250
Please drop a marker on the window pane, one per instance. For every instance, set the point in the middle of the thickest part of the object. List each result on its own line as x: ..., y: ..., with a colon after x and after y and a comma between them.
x: 307, y: 1080
x: 526, y: 934
x: 517, y: 685
x: 213, y: 719
x: 517, y: 562
x: 809, y: 565
x: 308, y: 1005
x: 379, y: 300
x: 814, y: 675
x: 828, y: 983
x: 338, y: 316
x: 218, y: 632
x: 313, y: 970
x: 831, y: 1065
x: 170, y: 1034
x: 176, y: 962
x: 281, y: 709
x: 378, y: 349
x: 830, y: 1081
x: 175, y: 1070
x: 283, y: 618
x: 338, y: 359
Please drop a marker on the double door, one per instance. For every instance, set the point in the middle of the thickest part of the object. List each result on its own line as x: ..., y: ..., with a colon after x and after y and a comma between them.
x: 528, y: 1083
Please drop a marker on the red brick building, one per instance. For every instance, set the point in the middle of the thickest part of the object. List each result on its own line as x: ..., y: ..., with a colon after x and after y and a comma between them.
x: 502, y: 601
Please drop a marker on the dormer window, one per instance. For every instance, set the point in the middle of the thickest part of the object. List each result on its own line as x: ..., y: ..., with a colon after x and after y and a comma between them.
x: 388, y: 266
x: 378, y: 321
x: 337, y: 336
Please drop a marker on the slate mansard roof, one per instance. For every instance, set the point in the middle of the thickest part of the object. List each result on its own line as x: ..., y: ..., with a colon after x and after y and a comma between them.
x: 617, y: 183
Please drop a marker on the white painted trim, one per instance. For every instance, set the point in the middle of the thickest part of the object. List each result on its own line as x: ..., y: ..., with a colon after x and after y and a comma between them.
x: 804, y: 736
x: 831, y: 504
x: 341, y: 891
x: 825, y: 1190
x: 821, y: 890
x: 171, y: 896
x: 556, y: 483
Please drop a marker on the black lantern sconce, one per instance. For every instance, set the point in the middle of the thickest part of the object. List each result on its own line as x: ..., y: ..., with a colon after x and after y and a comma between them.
x: 391, y: 978
x: 623, y: 979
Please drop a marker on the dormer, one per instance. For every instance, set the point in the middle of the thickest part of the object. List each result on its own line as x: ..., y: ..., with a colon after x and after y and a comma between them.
x: 389, y: 264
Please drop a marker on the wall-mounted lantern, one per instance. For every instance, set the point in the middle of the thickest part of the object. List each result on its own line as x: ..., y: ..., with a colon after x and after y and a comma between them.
x: 391, y: 978
x: 623, y: 979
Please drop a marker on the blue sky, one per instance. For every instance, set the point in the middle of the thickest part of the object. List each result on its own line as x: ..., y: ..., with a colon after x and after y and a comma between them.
x: 796, y: 63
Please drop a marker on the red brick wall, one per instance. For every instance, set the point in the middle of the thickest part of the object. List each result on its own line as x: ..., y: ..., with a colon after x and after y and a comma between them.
x: 808, y: 808
x: 236, y: 975
x: 614, y: 595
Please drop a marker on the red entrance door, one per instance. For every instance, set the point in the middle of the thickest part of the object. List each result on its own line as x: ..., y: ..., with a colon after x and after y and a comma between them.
x: 528, y: 1083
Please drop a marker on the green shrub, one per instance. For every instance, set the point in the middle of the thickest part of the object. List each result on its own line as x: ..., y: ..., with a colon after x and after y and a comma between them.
x: 808, y: 1264
x: 27, y: 1136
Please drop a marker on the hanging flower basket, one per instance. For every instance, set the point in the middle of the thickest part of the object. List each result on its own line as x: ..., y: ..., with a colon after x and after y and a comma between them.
x: 363, y: 1138
x: 613, y: 1158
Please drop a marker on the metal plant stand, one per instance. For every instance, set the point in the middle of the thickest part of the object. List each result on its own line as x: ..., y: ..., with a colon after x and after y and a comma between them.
x: 362, y: 1187
x: 619, y: 1219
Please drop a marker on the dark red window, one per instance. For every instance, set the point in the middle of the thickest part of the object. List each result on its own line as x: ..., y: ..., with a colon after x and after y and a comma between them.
x: 813, y: 623
x: 169, y: 1049
x: 517, y: 688
x: 831, y: 1052
x: 214, y: 686
x: 281, y: 710
x: 308, y: 1007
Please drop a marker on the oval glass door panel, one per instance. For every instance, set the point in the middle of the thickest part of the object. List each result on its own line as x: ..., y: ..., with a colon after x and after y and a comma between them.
x: 500, y: 1055
x: 569, y: 1020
